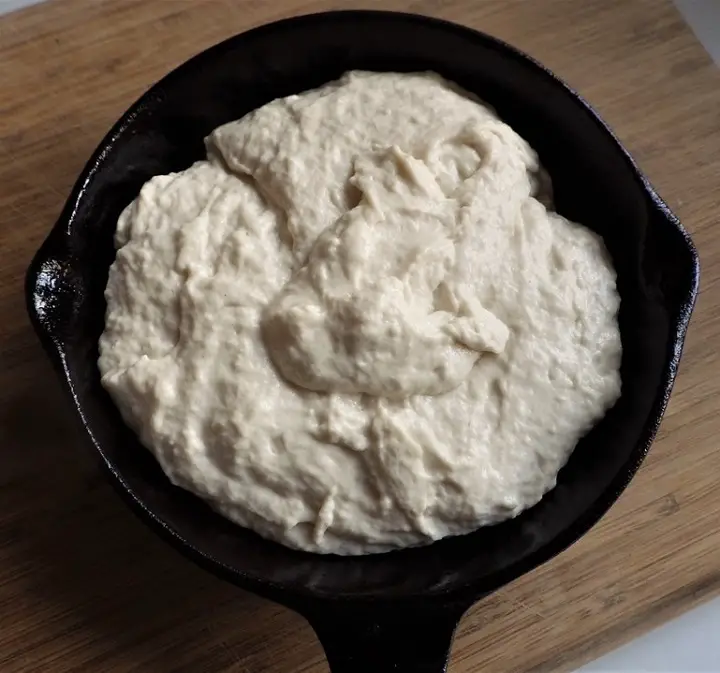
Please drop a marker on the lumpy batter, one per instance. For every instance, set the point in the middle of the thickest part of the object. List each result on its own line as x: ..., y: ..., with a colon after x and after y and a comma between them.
x: 355, y: 327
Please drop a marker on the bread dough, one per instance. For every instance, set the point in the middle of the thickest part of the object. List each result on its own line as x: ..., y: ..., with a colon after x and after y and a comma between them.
x: 355, y: 326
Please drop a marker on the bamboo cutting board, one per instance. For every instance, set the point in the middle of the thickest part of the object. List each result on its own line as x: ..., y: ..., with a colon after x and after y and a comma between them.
x: 85, y: 587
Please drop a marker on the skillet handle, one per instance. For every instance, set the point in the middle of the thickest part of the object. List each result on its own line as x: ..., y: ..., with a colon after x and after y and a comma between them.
x: 675, y: 256
x: 53, y: 291
x: 386, y: 639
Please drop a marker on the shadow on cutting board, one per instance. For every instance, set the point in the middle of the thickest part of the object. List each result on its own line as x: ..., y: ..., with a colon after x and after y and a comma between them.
x: 84, y: 586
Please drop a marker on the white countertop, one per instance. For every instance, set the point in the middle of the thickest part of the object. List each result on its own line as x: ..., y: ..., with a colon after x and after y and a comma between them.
x: 690, y: 643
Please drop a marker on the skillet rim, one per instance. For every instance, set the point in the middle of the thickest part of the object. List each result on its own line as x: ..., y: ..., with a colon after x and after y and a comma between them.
x: 54, y: 248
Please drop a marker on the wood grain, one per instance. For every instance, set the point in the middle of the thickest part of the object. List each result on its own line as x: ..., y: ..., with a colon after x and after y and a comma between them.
x: 85, y: 587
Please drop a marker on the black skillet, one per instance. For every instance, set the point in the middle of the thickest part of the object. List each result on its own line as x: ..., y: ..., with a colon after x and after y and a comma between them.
x: 396, y: 611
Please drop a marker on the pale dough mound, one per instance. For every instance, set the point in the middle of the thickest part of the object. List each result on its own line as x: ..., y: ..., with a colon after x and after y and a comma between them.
x: 354, y: 327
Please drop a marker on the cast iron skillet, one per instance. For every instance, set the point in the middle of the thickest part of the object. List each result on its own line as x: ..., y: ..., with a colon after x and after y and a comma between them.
x: 396, y: 611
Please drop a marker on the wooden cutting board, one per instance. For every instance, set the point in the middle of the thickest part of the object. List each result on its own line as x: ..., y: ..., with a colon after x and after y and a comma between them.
x: 85, y: 587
